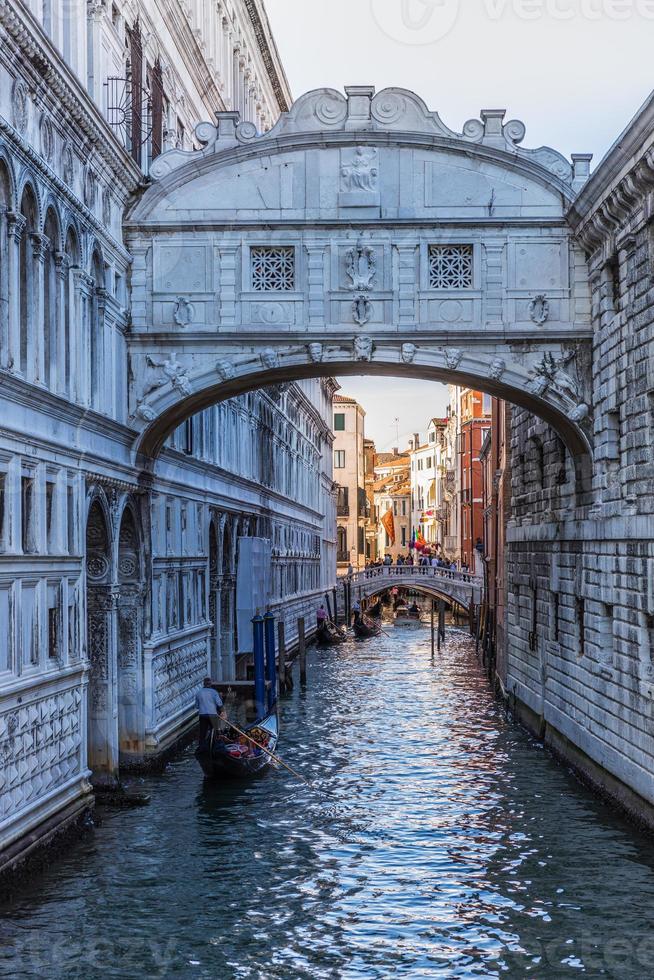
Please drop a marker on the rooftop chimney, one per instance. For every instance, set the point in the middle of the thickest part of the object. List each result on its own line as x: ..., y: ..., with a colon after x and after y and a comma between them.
x: 416, y: 440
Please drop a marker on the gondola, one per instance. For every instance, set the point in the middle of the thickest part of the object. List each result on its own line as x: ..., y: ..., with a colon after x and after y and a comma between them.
x: 232, y: 756
x: 375, y: 610
x: 365, y: 628
x: 406, y: 617
x: 329, y: 635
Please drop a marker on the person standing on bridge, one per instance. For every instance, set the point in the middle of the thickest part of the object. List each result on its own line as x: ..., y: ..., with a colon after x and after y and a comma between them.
x: 210, y: 708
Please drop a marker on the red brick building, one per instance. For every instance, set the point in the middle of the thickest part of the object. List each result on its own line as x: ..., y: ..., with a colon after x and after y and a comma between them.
x: 475, y: 420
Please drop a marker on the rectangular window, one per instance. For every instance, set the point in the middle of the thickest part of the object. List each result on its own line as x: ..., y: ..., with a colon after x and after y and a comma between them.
x: 404, y: 537
x: 49, y: 501
x: 53, y: 633
x: 27, y: 495
x: 70, y: 518
x: 3, y: 537
x: 487, y: 404
x: 339, y: 459
x: 339, y: 422
x: 273, y: 268
x: 432, y: 437
x: 450, y: 266
x: 556, y: 601
x: 605, y: 638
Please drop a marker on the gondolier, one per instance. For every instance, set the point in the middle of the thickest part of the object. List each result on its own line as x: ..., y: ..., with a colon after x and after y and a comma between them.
x: 210, y: 708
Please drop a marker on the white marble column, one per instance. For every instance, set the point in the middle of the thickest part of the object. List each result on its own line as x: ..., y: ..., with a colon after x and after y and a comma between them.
x: 35, y: 344
x: 15, y: 231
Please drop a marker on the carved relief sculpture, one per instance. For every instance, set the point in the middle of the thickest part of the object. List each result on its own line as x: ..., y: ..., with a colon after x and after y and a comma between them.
x: 316, y: 352
x: 408, y: 353
x: 539, y: 309
x: 184, y: 312
x: 225, y: 370
x: 453, y: 357
x: 361, y: 310
x: 363, y: 348
x: 361, y: 266
x: 270, y: 359
x: 497, y: 369
x: 173, y: 372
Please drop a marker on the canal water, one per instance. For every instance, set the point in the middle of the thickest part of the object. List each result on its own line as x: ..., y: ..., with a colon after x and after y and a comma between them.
x: 438, y: 840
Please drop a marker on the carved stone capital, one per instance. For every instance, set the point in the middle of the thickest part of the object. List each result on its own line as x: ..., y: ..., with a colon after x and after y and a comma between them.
x: 16, y: 225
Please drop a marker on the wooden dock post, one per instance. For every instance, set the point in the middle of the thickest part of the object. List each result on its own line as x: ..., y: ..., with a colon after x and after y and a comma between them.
x: 441, y: 622
x: 433, y: 638
x: 284, y: 679
x: 334, y: 594
x: 302, y: 650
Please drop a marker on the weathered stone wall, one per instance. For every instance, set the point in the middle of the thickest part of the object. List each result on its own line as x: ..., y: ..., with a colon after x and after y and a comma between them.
x: 580, y: 566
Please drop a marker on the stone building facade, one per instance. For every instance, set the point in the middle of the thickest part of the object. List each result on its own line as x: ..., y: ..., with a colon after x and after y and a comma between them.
x: 118, y: 591
x: 350, y: 478
x: 578, y: 640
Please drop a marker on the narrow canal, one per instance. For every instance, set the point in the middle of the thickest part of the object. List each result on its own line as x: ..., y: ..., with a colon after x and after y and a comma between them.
x: 440, y: 841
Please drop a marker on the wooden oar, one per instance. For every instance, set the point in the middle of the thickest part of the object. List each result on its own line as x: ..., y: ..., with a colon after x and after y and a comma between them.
x: 268, y: 752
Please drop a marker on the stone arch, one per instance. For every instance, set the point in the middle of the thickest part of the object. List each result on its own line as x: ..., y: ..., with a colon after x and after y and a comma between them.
x: 130, y: 616
x: 7, y: 198
x: 100, y: 632
x: 96, y: 328
x: 28, y: 309
x: 51, y: 306
x: 215, y: 579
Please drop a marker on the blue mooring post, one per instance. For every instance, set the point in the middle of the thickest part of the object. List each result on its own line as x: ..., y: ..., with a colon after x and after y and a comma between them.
x: 259, y: 667
x: 271, y: 662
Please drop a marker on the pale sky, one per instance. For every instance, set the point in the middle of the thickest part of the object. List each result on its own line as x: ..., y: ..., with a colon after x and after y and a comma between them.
x: 574, y: 71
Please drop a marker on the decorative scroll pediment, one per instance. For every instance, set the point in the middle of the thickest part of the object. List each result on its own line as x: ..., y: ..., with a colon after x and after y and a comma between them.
x: 396, y: 110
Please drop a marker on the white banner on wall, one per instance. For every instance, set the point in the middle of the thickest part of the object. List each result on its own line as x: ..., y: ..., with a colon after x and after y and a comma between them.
x: 252, y: 586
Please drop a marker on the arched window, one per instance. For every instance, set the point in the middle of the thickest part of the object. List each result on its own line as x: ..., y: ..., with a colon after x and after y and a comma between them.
x: 96, y: 333
x: 28, y: 210
x: 71, y: 262
x: 5, y: 204
x: 50, y: 309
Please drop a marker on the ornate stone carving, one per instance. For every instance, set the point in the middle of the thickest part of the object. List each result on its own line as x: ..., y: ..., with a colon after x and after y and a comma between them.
x: 269, y: 359
x: 496, y: 369
x: 173, y: 372
x: 97, y: 567
x: 225, y: 370
x: 361, y: 310
x: 539, y: 309
x: 89, y: 189
x: 360, y: 172
x: 19, y: 105
x: 453, y: 357
x: 549, y: 373
x: 361, y: 266
x: 47, y: 139
x: 408, y: 353
x: 184, y: 312
x: 37, y: 766
x: 145, y: 411
x: 67, y: 165
x: 316, y: 352
x: 579, y: 413
x: 176, y: 676
x: 363, y: 348
x: 106, y: 207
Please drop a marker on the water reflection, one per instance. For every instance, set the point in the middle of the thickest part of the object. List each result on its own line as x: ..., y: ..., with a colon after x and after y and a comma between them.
x: 437, y: 841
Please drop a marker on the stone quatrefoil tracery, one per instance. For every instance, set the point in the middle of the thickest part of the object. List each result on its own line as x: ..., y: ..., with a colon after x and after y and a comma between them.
x: 450, y: 266
x: 273, y: 268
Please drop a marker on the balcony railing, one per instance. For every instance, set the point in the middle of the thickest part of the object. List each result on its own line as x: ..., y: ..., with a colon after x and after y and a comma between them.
x: 342, y: 510
x: 343, y: 557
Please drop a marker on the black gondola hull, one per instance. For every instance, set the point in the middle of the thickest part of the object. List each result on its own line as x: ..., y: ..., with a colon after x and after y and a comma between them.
x: 231, y: 760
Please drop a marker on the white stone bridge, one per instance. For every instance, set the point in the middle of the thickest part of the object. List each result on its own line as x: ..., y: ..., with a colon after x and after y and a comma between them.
x: 360, y: 235
x: 441, y: 583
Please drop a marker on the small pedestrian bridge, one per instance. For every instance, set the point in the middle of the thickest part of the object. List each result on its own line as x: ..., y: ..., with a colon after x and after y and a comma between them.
x: 463, y: 588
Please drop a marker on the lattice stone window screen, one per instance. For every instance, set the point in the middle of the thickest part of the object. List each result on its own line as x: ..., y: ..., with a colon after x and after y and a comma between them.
x: 273, y: 268
x: 450, y: 266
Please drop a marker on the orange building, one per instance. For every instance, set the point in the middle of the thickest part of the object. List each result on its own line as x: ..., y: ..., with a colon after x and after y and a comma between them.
x: 495, y: 459
x: 474, y: 411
